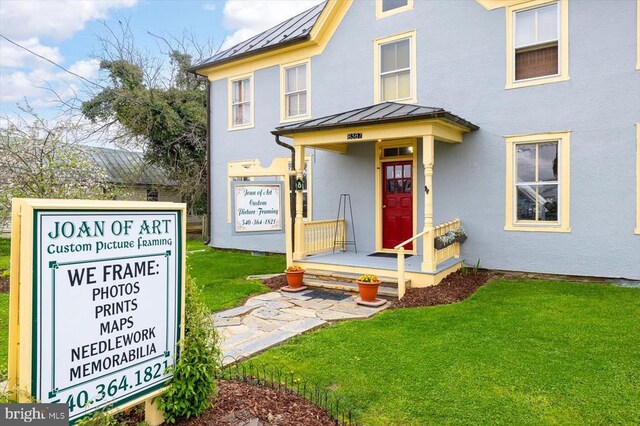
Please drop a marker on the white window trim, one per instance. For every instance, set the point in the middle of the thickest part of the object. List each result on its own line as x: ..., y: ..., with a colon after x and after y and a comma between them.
x: 380, y: 14
x: 563, y: 43
x: 377, y: 86
x: 283, y: 101
x: 562, y: 225
x: 252, y: 102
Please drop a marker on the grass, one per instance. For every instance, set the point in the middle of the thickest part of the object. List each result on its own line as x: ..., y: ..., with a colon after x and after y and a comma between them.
x: 5, y: 248
x: 517, y: 352
x: 223, y: 274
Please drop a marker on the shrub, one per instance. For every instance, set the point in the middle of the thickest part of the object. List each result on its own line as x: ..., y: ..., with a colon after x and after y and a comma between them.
x: 193, y: 384
x: 368, y: 279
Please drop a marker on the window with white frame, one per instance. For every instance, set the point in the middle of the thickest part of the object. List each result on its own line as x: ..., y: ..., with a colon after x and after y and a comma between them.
x: 536, y: 39
x: 395, y: 70
x: 537, y: 182
x: 537, y: 185
x: 296, y: 98
x: 241, y: 102
x: 388, y: 5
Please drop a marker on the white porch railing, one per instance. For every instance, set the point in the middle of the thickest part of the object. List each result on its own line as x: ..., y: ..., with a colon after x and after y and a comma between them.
x: 320, y: 234
x: 452, y: 250
x: 438, y: 256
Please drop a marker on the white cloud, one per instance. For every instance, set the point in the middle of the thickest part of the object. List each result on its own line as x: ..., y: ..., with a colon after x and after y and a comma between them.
x: 56, y: 19
x: 37, y: 84
x: 40, y: 25
x: 11, y: 56
x: 247, y: 18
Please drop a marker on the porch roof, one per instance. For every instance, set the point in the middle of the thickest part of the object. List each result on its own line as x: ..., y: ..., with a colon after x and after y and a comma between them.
x: 385, y: 112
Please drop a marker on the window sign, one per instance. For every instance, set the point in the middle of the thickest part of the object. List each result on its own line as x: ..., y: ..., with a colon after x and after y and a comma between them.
x: 258, y: 207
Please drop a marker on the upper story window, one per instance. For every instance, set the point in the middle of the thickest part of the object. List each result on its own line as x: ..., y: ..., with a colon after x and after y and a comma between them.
x: 395, y: 68
x: 295, y: 88
x: 538, y: 182
x: 537, y: 43
x: 241, y: 105
x: 391, y: 7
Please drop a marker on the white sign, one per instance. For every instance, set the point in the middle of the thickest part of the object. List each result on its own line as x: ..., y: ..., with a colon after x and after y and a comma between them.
x: 258, y: 207
x: 107, y: 289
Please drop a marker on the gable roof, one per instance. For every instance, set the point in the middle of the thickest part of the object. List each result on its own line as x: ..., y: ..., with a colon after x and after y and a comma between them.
x: 385, y: 112
x: 293, y: 30
x: 128, y: 167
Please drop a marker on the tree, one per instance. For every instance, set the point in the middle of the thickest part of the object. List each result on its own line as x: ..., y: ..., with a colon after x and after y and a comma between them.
x: 43, y: 159
x: 156, y: 102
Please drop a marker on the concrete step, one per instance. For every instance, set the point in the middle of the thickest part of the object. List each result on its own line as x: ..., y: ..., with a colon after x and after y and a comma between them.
x: 348, y: 286
x: 347, y: 277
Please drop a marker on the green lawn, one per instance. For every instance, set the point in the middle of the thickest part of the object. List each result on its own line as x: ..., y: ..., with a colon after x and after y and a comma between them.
x: 5, y: 249
x: 223, y: 273
x: 534, y: 352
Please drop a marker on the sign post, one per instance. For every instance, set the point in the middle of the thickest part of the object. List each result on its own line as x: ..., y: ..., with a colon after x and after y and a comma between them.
x: 97, y: 303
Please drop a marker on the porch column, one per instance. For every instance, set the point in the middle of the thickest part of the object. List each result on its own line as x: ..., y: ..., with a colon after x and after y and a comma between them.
x: 428, y: 251
x: 299, y: 249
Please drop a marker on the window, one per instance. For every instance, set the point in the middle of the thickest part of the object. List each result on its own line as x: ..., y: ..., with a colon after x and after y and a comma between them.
x: 306, y: 177
x: 241, y: 102
x: 152, y: 194
x: 394, y: 68
x: 537, y: 43
x: 295, y: 91
x: 386, y: 8
x: 538, y: 182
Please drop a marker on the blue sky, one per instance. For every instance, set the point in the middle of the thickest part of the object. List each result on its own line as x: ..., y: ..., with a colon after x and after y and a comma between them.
x: 65, y: 32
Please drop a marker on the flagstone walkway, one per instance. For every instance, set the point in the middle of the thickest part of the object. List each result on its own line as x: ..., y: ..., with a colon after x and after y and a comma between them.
x: 272, y: 318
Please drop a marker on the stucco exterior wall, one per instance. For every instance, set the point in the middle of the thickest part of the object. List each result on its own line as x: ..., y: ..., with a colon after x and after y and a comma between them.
x: 461, y: 67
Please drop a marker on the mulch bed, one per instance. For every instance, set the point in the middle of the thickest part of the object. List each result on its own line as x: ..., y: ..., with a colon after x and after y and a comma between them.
x: 4, y: 284
x: 454, y: 288
x: 244, y: 404
x: 276, y: 283
x: 237, y: 403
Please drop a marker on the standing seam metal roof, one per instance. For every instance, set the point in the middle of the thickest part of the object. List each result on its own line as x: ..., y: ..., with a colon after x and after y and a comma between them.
x: 128, y: 167
x: 292, y: 30
x: 380, y: 113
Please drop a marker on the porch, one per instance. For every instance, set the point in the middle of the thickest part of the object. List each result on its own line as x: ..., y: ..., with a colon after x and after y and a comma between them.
x: 402, y: 225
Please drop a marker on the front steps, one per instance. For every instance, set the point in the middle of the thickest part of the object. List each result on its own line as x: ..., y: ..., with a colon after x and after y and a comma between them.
x: 346, y: 281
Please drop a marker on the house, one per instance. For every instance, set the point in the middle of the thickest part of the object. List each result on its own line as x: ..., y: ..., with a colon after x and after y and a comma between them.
x: 517, y: 119
x: 140, y: 180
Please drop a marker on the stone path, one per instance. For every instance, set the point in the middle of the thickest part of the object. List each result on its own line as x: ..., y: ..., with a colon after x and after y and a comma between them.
x: 272, y: 318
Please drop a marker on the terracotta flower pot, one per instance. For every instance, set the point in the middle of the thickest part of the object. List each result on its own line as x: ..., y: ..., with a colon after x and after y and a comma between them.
x: 294, y: 279
x: 368, y: 291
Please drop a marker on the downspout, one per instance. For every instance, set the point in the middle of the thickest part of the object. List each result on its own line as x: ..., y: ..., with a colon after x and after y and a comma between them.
x: 292, y: 186
x: 209, y: 217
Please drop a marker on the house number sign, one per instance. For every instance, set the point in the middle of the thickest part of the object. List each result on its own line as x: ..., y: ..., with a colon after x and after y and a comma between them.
x: 354, y: 135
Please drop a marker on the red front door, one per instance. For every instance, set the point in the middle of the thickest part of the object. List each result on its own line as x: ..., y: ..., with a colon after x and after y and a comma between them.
x: 397, y: 204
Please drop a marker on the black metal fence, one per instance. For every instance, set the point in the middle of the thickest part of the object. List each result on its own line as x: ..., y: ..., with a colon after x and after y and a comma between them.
x: 274, y: 377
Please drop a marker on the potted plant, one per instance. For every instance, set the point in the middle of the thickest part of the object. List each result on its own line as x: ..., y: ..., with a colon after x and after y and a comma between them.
x: 294, y: 276
x: 368, y: 287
